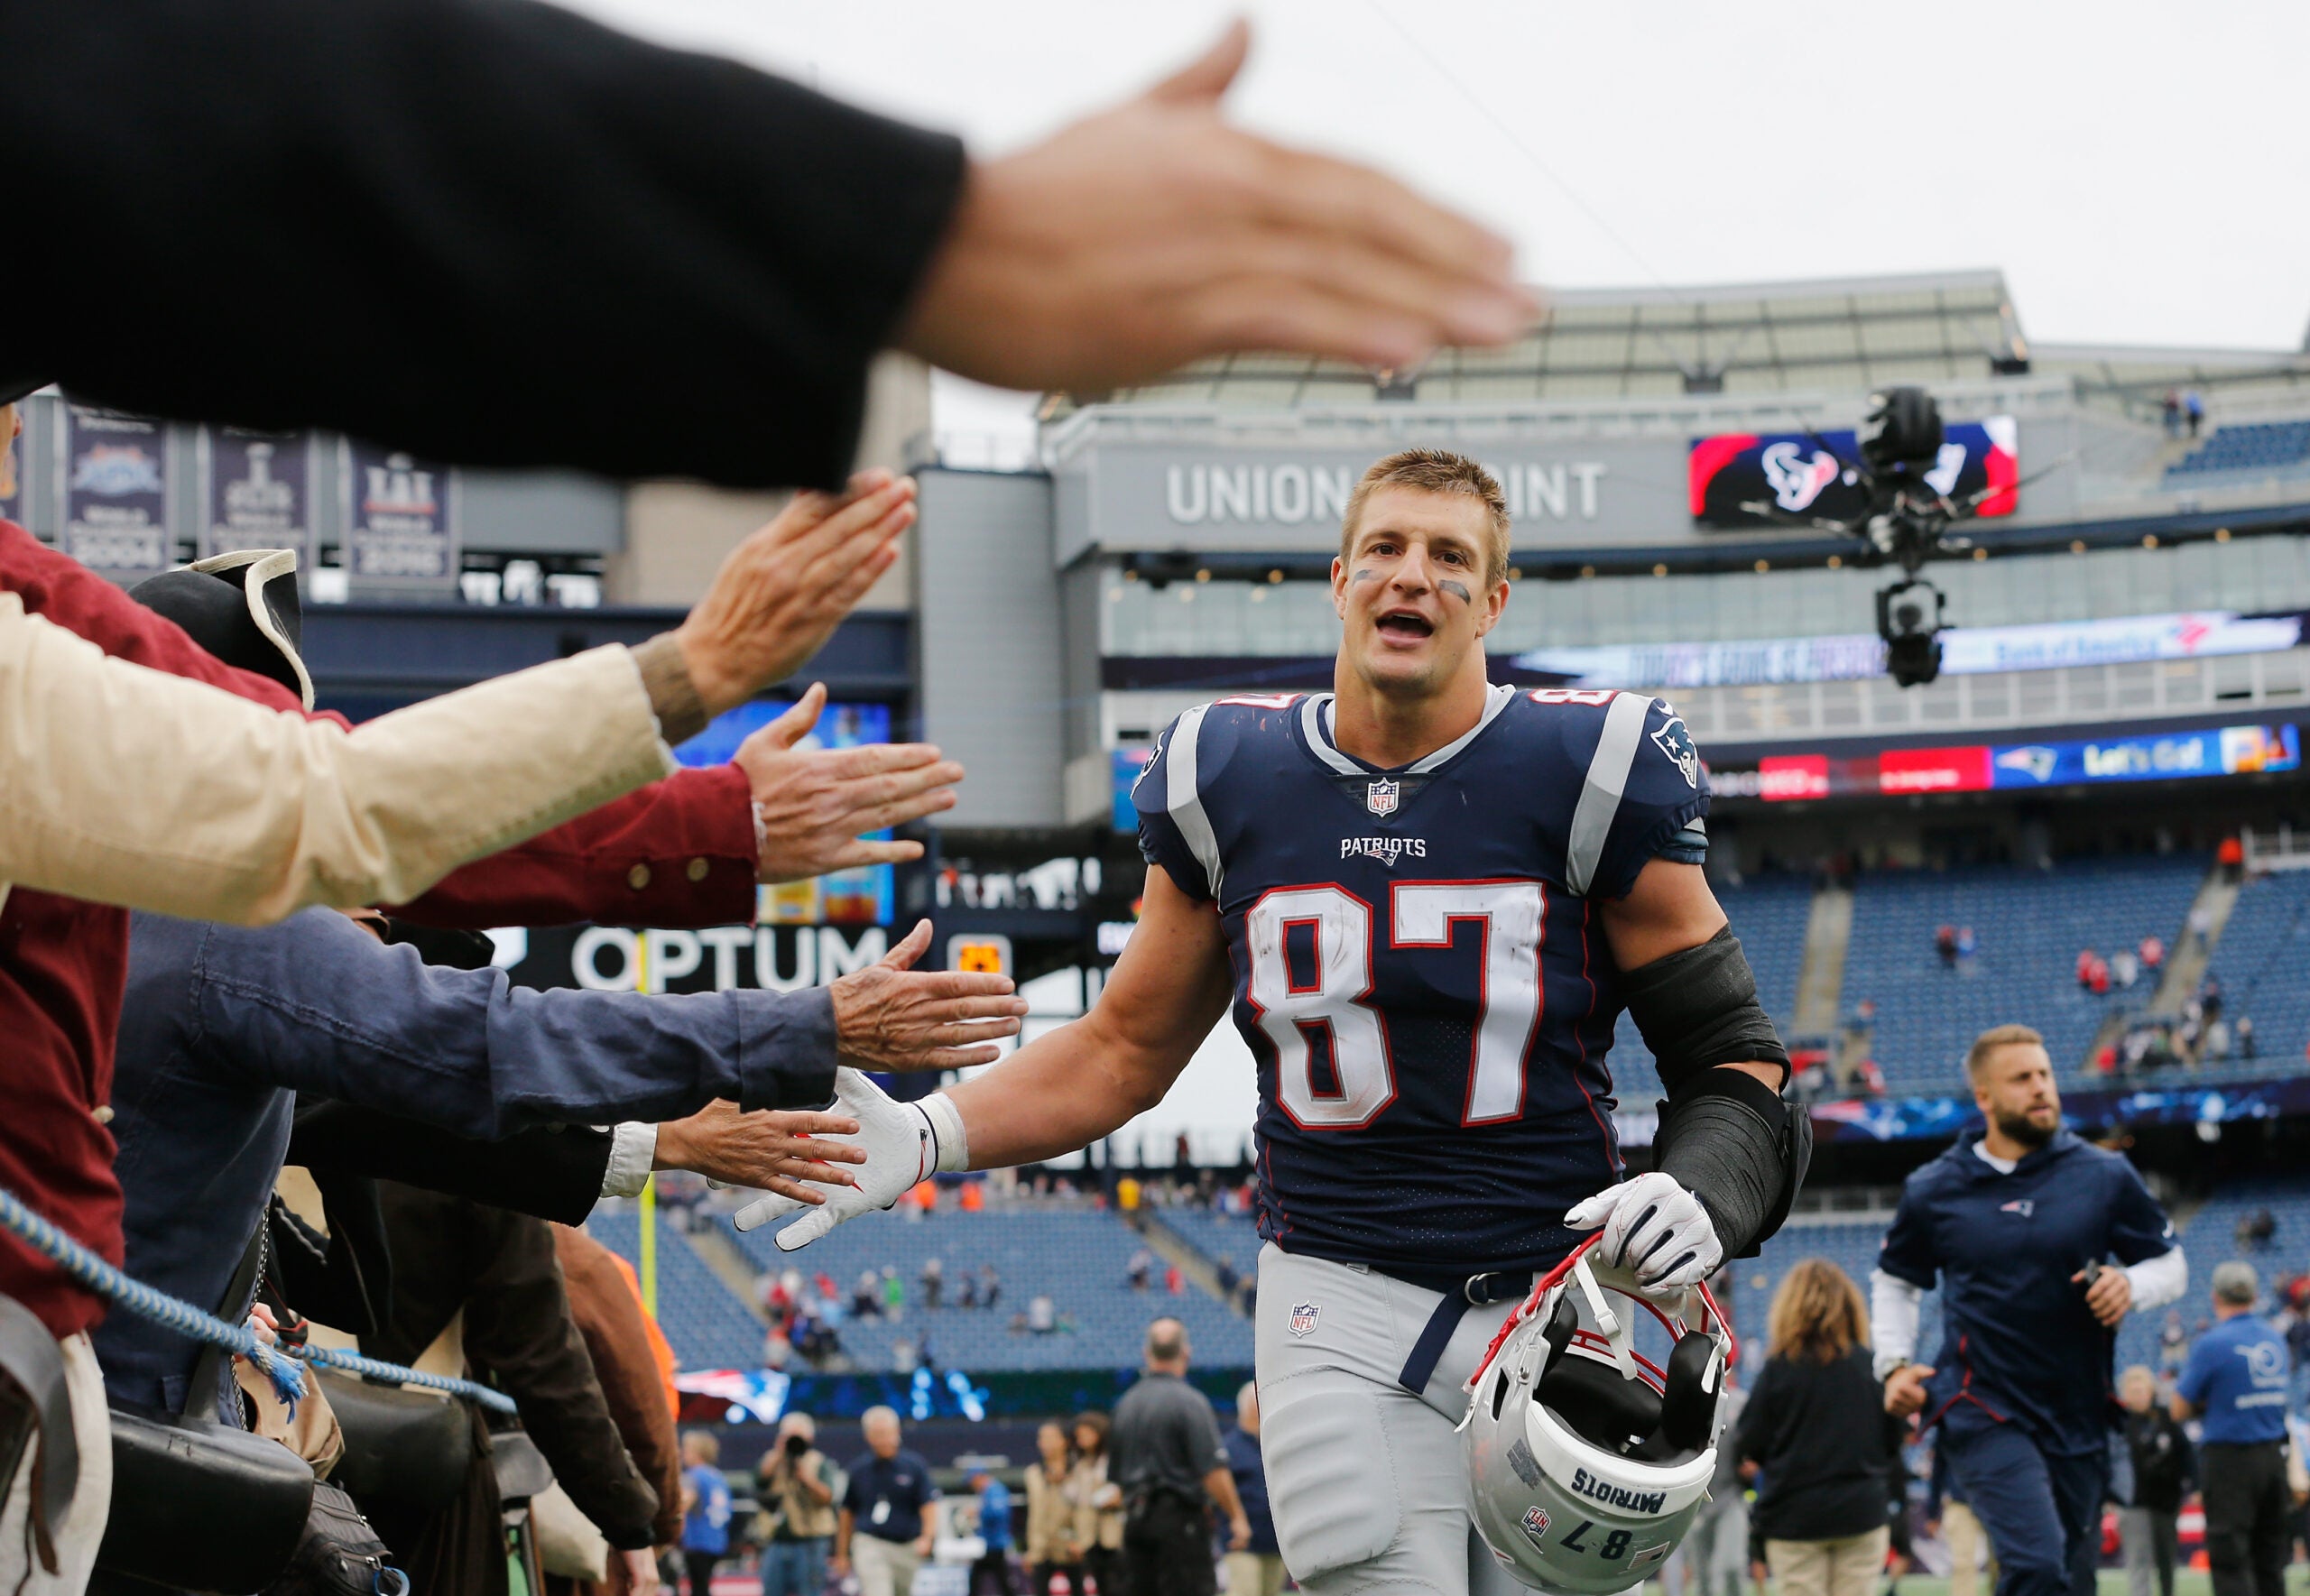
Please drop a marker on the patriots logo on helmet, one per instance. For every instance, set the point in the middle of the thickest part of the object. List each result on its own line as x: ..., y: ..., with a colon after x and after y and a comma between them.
x: 1381, y: 797
x: 1677, y: 744
x: 2020, y: 1205
x: 1535, y: 1523
x: 1304, y: 1316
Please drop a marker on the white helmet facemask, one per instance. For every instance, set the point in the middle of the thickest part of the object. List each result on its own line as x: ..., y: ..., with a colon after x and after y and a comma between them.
x: 1587, y: 1461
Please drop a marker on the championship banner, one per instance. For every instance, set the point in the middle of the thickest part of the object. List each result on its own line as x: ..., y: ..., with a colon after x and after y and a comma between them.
x: 400, y: 518
x: 255, y: 491
x: 1806, y: 477
x: 115, y: 470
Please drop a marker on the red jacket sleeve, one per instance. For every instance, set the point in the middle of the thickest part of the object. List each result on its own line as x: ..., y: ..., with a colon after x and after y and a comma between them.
x: 679, y: 853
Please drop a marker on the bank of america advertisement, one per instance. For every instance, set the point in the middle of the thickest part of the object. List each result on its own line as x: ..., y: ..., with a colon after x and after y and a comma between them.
x: 1745, y: 480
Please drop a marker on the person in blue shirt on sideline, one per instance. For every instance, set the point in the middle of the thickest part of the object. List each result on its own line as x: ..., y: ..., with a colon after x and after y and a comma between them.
x: 994, y: 1529
x: 2235, y: 1381
x: 2018, y: 1228
x: 705, y: 1511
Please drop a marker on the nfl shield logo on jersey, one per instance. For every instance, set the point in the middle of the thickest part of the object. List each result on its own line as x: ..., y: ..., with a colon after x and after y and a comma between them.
x: 1303, y: 1318
x: 1535, y: 1523
x: 1380, y: 797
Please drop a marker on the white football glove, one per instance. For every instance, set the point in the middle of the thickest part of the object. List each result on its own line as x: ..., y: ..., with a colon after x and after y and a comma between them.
x: 1655, y: 1228
x: 904, y: 1143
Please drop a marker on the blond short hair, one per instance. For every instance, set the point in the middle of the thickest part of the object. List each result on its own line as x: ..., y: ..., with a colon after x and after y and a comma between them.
x: 1977, y: 1057
x: 1817, y: 1313
x: 1435, y: 471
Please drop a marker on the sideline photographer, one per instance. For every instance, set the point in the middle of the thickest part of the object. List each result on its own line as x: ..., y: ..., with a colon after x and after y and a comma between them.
x: 794, y: 1483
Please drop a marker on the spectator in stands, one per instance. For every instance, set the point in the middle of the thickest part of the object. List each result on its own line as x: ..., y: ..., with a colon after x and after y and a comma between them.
x: 2086, y: 957
x: 2245, y: 1036
x: 1258, y: 1569
x: 2125, y: 969
x: 893, y: 1294
x: 2255, y: 1229
x: 2201, y: 931
x: 2171, y: 410
x: 990, y: 1286
x: 1135, y: 1272
x: 1823, y: 1449
x: 1174, y: 1282
x: 1227, y: 1275
x: 2163, y: 1467
x: 966, y: 1296
x: 1103, y: 1502
x: 794, y: 1484
x: 1968, y: 945
x: 2231, y: 857
x: 884, y: 1531
x: 2097, y: 978
x: 1056, y: 1516
x: 1945, y: 943
x: 2152, y: 952
x: 934, y: 1283
x: 2193, y: 408
x: 2236, y: 1382
x: 1042, y: 1315
x: 705, y: 1511
x: 866, y: 1296
x: 1172, y: 1464
x: 993, y: 1565
x: 903, y: 1358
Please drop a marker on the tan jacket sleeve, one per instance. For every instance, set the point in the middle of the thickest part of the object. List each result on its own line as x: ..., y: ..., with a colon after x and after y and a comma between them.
x: 128, y: 786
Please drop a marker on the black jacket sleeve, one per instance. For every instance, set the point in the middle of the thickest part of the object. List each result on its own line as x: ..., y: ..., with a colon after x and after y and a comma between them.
x: 486, y: 230
x: 551, y: 1172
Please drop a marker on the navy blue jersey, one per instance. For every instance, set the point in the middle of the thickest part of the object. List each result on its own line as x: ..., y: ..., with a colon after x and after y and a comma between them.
x: 1419, y: 967
x: 2018, y: 1340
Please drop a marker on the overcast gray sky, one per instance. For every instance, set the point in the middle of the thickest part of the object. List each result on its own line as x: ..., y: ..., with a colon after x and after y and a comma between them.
x: 2137, y: 170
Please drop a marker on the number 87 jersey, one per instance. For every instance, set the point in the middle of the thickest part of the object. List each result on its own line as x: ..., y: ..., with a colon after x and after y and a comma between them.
x: 1420, y: 965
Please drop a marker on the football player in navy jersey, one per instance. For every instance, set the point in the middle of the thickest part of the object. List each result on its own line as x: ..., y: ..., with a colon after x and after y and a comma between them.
x: 1426, y: 900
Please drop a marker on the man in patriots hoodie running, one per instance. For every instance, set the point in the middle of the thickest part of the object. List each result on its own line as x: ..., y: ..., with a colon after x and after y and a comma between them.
x: 2019, y: 1225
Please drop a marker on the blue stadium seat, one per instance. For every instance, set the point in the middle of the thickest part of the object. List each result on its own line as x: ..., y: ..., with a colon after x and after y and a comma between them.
x: 708, y: 1327
x: 2260, y: 961
x: 2260, y: 448
x: 2030, y: 927
x: 1075, y: 1255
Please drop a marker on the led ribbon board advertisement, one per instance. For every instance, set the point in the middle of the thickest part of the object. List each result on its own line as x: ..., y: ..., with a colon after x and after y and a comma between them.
x: 2221, y: 750
x: 1965, y: 650
x: 1799, y: 474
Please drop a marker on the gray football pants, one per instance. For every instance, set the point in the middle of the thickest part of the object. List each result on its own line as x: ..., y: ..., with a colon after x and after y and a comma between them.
x: 1366, y: 1480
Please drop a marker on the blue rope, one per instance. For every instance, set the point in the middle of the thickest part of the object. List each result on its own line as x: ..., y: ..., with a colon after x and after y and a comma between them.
x: 288, y: 1379
x: 355, y: 1363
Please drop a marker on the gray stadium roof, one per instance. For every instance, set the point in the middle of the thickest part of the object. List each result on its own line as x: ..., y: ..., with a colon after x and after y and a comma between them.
x: 1606, y: 344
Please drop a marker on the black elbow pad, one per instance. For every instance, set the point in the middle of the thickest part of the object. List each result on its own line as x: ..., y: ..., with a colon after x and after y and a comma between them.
x: 1699, y: 1008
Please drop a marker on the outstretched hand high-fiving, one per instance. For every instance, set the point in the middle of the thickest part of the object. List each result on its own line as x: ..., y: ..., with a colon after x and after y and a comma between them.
x: 890, y: 1016
x: 904, y: 1143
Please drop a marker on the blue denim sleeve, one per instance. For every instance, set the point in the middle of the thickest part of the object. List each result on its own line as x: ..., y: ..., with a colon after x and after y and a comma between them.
x: 318, y: 1004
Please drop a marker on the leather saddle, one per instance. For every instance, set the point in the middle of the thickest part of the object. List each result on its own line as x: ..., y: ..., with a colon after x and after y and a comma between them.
x: 403, y: 1447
